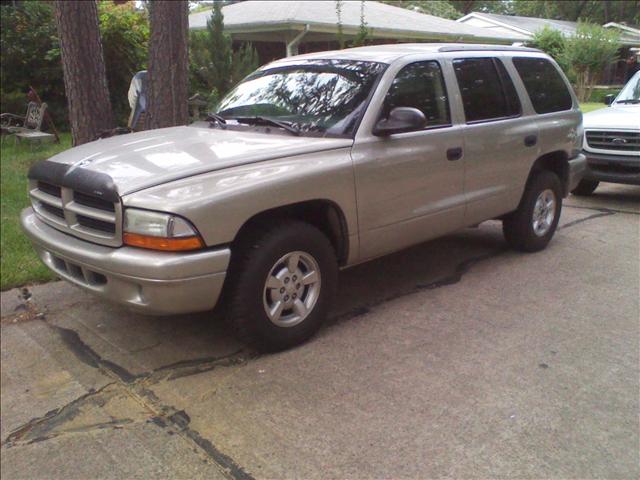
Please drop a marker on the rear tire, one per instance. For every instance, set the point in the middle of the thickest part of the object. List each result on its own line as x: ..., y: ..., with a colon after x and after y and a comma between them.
x: 532, y: 225
x: 282, y: 282
x: 585, y: 188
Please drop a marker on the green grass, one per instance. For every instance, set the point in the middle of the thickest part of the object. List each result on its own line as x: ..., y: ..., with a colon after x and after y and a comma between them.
x: 19, y: 264
x: 591, y: 106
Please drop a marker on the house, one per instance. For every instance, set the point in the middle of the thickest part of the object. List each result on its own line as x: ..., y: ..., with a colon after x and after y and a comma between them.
x: 283, y: 28
x: 526, y: 27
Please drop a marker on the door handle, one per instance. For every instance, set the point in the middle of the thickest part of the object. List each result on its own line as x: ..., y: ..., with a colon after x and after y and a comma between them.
x: 530, y: 140
x: 454, y: 153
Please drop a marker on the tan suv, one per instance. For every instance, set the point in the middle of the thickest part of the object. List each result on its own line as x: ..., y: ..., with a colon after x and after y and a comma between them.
x: 311, y: 164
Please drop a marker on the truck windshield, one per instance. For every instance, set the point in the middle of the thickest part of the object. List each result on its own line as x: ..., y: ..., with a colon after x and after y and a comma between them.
x: 322, y: 96
x: 631, y: 92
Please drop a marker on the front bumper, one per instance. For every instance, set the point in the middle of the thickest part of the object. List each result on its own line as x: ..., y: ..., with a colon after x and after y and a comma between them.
x: 159, y: 283
x: 613, y: 168
x: 577, y: 169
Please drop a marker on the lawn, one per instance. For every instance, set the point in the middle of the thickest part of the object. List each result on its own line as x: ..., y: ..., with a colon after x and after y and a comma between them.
x: 590, y: 106
x: 19, y: 264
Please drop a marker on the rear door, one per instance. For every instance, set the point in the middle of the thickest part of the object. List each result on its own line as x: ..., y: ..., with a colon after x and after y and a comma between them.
x: 500, y: 142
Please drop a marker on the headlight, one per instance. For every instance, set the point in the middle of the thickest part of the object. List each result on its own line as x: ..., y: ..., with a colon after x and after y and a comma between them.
x: 159, y: 231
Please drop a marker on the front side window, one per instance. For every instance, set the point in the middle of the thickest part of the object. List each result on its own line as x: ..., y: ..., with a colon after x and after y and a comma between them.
x: 486, y: 88
x: 420, y: 85
x: 546, y: 88
x: 320, y: 96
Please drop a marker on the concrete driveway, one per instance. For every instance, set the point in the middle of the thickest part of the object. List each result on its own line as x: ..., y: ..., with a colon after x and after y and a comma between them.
x: 457, y: 358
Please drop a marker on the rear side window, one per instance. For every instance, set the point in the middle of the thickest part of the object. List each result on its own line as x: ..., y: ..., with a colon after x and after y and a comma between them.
x: 486, y: 88
x: 420, y: 85
x: 545, y: 86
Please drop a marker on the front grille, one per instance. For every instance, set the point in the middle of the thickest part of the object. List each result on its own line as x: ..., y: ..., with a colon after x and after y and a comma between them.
x: 89, y: 222
x: 77, y: 213
x: 614, y: 140
x: 50, y: 189
x: 615, y: 168
x: 95, y: 202
x: 58, y: 212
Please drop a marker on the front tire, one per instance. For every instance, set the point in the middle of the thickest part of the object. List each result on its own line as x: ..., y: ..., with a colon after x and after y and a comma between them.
x: 532, y: 225
x: 281, y: 284
x: 585, y: 188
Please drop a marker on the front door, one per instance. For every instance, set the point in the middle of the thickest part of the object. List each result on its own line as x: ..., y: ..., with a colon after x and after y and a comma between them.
x: 410, y: 185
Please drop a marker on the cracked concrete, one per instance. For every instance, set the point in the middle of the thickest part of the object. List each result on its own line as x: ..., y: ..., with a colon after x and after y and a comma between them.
x: 456, y: 358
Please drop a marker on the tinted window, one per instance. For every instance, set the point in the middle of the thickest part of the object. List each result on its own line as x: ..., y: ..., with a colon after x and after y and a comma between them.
x: 486, y: 88
x: 545, y: 86
x: 420, y: 85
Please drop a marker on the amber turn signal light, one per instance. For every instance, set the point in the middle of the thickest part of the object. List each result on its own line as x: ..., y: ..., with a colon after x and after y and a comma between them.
x: 178, y: 244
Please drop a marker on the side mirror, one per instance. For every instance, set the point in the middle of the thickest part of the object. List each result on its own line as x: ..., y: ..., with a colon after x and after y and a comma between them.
x: 608, y: 99
x: 401, y: 119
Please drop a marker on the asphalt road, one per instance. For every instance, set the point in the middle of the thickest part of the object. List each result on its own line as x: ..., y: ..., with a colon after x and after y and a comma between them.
x: 457, y: 358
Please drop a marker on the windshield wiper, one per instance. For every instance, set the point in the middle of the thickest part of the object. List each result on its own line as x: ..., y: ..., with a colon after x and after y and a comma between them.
x: 267, y: 121
x: 215, y: 119
x: 629, y: 100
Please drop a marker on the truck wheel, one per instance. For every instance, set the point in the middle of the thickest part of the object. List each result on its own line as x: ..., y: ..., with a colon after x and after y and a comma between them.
x: 282, y: 284
x: 585, y: 188
x: 532, y: 225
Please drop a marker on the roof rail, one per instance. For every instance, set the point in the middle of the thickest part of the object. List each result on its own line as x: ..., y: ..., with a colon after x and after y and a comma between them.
x: 491, y: 48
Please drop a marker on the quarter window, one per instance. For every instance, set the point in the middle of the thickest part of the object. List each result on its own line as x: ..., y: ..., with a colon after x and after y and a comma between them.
x: 546, y: 88
x: 420, y: 85
x: 486, y: 88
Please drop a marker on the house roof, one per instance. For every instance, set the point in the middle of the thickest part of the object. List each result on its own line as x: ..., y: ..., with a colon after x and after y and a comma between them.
x: 529, y: 25
x: 281, y: 20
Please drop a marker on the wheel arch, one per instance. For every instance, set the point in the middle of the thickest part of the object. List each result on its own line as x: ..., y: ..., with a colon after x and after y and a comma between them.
x: 556, y: 162
x: 324, y: 214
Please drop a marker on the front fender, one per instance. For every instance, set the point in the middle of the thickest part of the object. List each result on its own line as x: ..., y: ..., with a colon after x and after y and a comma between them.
x: 219, y: 203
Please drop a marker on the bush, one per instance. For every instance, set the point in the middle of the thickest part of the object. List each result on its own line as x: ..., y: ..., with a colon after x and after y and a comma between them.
x: 31, y: 58
x: 31, y: 55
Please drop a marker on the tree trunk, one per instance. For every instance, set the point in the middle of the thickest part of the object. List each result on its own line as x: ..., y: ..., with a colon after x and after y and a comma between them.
x: 85, y: 79
x: 168, y: 64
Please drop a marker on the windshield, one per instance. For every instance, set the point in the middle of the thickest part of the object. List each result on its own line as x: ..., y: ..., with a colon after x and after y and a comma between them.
x: 631, y: 92
x: 325, y: 96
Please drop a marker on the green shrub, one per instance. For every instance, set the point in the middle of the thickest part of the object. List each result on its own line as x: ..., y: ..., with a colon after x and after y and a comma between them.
x: 31, y: 55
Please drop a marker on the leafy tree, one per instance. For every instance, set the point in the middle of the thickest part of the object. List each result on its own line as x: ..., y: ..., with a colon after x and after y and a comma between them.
x: 213, y: 64
x: 588, y: 52
x: 437, y: 8
x: 552, y: 42
x: 220, y: 51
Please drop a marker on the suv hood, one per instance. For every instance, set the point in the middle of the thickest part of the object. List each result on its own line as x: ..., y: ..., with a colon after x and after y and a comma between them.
x: 625, y: 117
x: 140, y: 160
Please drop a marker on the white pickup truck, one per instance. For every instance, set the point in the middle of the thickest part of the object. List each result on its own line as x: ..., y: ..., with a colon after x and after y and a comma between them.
x: 612, y: 140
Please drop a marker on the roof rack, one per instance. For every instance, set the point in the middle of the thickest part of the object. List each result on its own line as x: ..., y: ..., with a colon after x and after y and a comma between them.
x: 481, y: 48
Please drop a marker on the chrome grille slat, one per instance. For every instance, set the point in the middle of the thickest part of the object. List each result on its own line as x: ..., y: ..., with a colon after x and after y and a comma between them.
x: 626, y: 141
x: 95, y: 220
